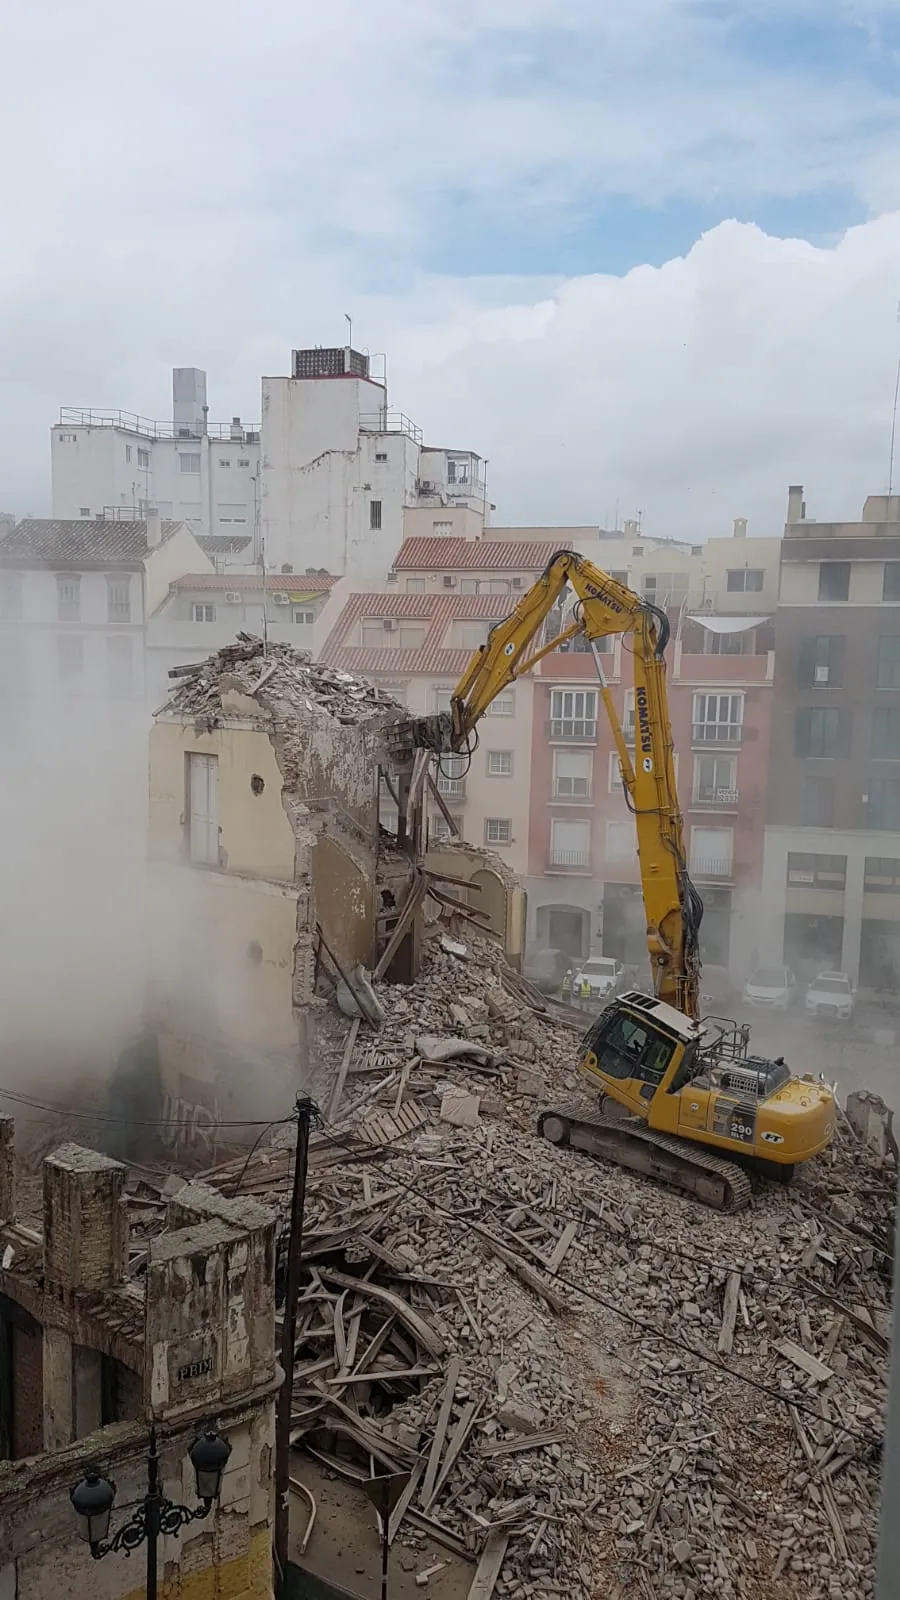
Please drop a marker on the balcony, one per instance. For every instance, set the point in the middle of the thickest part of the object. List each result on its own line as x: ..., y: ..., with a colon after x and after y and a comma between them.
x: 689, y: 668
x: 574, y: 730
x: 390, y: 422
x: 716, y: 732
x: 716, y: 800
x: 568, y: 860
x: 711, y: 867
x: 451, y: 788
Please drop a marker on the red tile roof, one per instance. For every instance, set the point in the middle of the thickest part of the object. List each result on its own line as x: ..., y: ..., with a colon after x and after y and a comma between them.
x: 475, y: 555
x: 88, y: 542
x: 437, y: 611
x: 276, y: 583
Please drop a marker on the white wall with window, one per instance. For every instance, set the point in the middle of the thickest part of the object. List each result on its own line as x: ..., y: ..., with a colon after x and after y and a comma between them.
x: 572, y: 774
x: 573, y: 714
x: 498, y: 830
x: 712, y: 851
x: 715, y: 780
x: 570, y: 842
x: 717, y: 718
x: 500, y: 763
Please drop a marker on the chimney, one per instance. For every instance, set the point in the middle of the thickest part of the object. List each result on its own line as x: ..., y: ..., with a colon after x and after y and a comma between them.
x: 796, y: 510
x: 154, y: 528
x: 631, y: 529
x: 739, y: 528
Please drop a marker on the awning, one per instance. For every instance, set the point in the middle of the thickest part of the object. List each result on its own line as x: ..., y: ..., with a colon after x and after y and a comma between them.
x: 726, y: 624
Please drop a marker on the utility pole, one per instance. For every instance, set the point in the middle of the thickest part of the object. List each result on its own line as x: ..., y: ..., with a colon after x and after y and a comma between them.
x: 305, y: 1112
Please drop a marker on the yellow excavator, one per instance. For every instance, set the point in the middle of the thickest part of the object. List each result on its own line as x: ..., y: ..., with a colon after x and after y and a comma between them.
x: 702, y: 1111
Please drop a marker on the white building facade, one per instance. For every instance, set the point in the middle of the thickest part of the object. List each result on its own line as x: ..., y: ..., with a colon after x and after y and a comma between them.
x: 116, y: 464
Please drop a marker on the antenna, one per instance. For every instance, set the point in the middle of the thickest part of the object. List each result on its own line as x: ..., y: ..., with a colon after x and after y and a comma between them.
x: 894, y: 418
x: 349, y: 321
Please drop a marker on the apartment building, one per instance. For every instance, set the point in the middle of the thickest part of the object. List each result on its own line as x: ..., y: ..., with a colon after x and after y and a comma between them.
x: 832, y: 840
x: 116, y: 464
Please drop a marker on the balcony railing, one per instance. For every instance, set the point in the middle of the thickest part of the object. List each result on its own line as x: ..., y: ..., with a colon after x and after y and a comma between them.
x: 581, y: 730
x: 570, y: 860
x: 716, y: 797
x: 717, y: 732
x: 567, y: 789
x: 390, y: 422
x: 130, y: 422
x: 710, y: 867
x: 451, y: 788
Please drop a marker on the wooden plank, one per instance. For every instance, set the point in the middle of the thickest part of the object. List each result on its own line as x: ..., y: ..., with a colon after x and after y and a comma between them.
x: 402, y: 1506
x: 729, y: 1313
x: 563, y: 1246
x: 489, y: 1567
x: 421, y: 1330
x: 532, y: 1279
x: 454, y: 1449
x: 527, y: 1441
x: 440, y: 1431
x: 334, y: 1099
x: 384, y: 1375
x: 401, y: 1087
x: 811, y: 1365
x: 410, y: 906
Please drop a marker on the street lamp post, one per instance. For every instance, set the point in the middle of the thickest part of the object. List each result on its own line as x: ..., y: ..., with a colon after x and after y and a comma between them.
x: 93, y: 1498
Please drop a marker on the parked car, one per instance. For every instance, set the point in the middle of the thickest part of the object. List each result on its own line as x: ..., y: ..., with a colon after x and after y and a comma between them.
x: 771, y: 987
x: 605, y: 975
x: 830, y: 995
x: 547, y: 968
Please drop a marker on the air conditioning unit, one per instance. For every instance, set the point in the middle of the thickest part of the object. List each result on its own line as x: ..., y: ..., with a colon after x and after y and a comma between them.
x: 389, y: 625
x: 233, y: 597
x: 392, y: 577
x: 449, y: 583
x: 427, y: 487
x: 821, y: 675
x: 281, y: 599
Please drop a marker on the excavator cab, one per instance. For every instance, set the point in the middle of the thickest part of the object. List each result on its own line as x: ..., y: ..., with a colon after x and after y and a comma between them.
x: 639, y: 1047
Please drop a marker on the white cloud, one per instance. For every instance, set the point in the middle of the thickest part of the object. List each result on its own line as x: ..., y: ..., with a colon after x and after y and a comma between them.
x: 214, y: 185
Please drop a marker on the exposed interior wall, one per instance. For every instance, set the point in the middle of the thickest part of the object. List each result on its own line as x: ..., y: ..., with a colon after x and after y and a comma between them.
x: 344, y: 901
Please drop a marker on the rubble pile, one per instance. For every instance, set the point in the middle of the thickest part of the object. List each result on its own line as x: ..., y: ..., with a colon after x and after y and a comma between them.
x: 288, y: 676
x: 599, y: 1386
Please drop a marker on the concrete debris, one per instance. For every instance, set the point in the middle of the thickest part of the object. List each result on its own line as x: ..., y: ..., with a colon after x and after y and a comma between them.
x: 534, y: 1335
x: 281, y: 674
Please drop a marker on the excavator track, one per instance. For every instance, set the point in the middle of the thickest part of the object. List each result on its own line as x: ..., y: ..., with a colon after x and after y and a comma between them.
x: 680, y: 1163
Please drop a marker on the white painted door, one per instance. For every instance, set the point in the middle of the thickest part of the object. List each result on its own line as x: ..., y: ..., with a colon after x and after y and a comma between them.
x: 203, y: 800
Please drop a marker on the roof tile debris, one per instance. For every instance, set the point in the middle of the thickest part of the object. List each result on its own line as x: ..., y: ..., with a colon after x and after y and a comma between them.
x: 476, y: 555
x: 36, y: 542
x: 290, y: 682
x: 437, y: 611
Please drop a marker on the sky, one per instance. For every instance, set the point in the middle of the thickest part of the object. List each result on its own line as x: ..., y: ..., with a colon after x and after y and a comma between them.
x: 644, y: 258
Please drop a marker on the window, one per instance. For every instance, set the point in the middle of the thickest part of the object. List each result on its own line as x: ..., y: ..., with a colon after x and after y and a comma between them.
x: 457, y: 471
x: 818, y: 800
x: 825, y: 872
x: 189, y: 463
x: 890, y: 588
x: 498, y: 586
x: 498, y: 830
x: 69, y: 656
x: 884, y: 805
x: 620, y: 842
x: 143, y: 458
x: 441, y: 700
x: 572, y: 771
x: 503, y: 705
x: 469, y: 586
x: 128, y: 452
x: 628, y: 716
x: 442, y: 530
x: 243, y: 461
x: 474, y: 634
x: 715, y: 780
x: 834, y: 580
x: 882, y: 875
x: 203, y: 809
x: 500, y: 763
x: 821, y: 731
x: 415, y: 585
x: 627, y: 1049
x: 573, y: 714
x: 381, y: 455
x: 570, y: 842
x: 118, y: 599
x: 232, y: 513
x: 451, y: 774
x: 203, y: 611
x: 744, y: 580
x: 711, y: 852
x: 390, y: 633
x: 718, y: 718
x: 820, y: 661
x: 729, y: 644
x: 374, y: 513
x: 616, y: 786
x: 887, y: 672
x: 224, y: 461
x: 11, y: 597
x: 438, y: 829
x: 120, y: 664
x: 665, y: 588
x: 886, y: 733
x: 305, y: 618
x: 84, y: 511
x: 68, y: 598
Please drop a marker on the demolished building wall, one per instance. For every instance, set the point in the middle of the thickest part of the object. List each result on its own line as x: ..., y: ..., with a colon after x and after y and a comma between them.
x: 282, y: 843
x: 169, y: 1328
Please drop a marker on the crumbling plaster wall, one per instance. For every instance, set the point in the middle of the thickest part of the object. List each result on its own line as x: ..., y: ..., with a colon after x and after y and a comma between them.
x: 495, y: 890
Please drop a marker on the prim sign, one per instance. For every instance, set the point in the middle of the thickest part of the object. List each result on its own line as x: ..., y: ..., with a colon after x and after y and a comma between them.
x: 200, y: 1368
